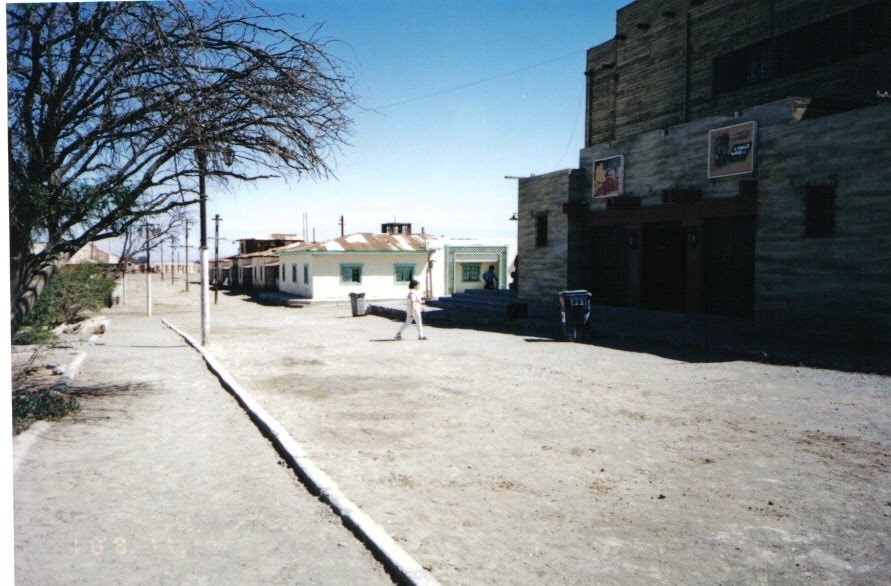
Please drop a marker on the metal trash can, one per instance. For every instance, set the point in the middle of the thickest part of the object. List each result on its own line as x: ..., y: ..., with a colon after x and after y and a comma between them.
x: 575, y: 312
x: 357, y: 304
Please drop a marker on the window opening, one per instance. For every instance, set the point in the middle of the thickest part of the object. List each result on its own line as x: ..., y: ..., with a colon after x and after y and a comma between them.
x: 470, y: 273
x: 404, y: 273
x: 350, y: 274
x: 819, y: 211
x: 541, y: 231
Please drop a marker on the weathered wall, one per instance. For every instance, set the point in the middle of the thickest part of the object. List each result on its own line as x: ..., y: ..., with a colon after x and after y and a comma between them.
x: 601, y: 78
x: 841, y: 284
x: 677, y: 156
x: 809, y: 285
x: 544, y: 270
x: 712, y: 34
x: 651, y: 98
x: 658, y: 70
x: 650, y: 65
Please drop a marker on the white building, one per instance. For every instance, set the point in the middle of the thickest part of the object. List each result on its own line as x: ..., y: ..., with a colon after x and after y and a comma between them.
x: 381, y: 265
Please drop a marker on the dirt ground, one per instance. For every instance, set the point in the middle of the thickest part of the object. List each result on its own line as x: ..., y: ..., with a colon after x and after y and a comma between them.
x: 495, y: 458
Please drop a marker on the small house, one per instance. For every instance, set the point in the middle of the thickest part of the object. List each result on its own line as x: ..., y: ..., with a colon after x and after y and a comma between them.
x: 378, y: 265
x: 382, y: 265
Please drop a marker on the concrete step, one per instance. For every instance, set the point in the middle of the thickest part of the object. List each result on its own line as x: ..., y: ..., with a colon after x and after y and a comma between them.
x: 465, y: 309
x: 469, y: 303
x: 488, y: 292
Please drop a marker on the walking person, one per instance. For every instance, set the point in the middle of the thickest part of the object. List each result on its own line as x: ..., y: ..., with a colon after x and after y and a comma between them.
x: 412, y: 312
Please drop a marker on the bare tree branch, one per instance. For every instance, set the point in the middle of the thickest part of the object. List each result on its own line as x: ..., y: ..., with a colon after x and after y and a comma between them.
x: 109, y: 102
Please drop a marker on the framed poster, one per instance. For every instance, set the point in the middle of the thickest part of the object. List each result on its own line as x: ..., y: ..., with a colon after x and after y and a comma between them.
x: 609, y: 176
x: 731, y: 150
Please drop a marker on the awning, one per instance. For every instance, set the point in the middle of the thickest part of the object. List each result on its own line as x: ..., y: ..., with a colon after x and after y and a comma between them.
x: 465, y: 258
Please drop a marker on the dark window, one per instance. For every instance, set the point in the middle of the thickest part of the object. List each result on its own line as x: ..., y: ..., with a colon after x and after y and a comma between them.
x: 350, y: 274
x: 404, y: 273
x: 729, y: 72
x: 541, y: 231
x: 819, y: 211
x: 823, y: 43
x: 470, y: 273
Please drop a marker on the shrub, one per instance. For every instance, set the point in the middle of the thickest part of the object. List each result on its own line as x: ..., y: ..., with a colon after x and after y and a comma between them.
x: 32, y: 405
x: 33, y: 335
x: 74, y: 291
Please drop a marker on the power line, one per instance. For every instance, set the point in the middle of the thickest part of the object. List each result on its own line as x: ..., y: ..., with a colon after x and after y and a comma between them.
x: 578, y: 111
x: 477, y: 82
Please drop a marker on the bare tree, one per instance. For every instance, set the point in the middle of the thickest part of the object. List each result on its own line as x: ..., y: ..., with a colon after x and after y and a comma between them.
x: 115, y: 107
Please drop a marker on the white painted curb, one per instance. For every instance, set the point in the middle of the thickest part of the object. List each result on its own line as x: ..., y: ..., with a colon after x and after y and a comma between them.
x: 70, y: 373
x: 397, y: 561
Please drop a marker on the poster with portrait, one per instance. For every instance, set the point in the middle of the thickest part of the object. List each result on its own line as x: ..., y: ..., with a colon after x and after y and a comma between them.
x: 609, y: 176
x: 731, y: 150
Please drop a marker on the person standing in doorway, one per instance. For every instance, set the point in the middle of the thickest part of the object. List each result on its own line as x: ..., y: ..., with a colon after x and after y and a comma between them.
x: 490, y: 278
x: 412, y: 312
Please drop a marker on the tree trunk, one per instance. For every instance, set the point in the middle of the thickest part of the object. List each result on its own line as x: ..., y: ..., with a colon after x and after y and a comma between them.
x: 29, y: 274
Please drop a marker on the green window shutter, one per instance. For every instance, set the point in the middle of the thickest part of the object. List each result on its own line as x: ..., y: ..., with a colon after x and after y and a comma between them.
x: 404, y: 273
x: 470, y: 273
x: 350, y: 274
x: 306, y: 274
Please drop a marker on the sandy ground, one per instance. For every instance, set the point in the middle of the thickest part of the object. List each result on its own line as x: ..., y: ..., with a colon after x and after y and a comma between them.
x: 162, y: 479
x: 501, y: 459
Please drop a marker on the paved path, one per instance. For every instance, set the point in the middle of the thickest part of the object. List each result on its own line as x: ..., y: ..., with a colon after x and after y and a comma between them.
x: 163, y: 479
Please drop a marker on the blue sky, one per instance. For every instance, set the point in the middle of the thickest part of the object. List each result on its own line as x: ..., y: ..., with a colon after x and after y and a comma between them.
x: 453, y: 96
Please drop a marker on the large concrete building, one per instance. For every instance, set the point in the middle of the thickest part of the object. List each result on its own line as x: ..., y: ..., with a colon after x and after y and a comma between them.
x: 737, y: 162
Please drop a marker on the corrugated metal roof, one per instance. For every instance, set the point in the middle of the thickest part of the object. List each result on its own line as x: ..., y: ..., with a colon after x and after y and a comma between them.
x: 269, y: 252
x: 267, y: 237
x: 366, y: 242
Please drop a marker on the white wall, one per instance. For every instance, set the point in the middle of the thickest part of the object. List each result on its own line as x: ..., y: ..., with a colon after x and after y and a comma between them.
x: 378, y: 271
x: 289, y: 284
x: 378, y: 274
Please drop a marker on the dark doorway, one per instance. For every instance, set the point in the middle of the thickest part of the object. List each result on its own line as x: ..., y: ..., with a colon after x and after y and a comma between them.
x: 608, y: 258
x: 729, y: 252
x: 664, y: 266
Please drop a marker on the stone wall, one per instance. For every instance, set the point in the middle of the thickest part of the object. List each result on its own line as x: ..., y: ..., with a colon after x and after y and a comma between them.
x: 658, y: 70
x: 840, y: 285
x: 816, y: 286
x: 652, y: 99
x: 544, y: 269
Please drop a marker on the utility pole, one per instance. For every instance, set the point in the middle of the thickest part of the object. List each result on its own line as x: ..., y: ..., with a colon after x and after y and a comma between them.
x: 174, y: 258
x: 341, y: 226
x: 216, y: 250
x: 187, y: 254
x: 205, y: 290
x: 161, y: 247
x: 148, y: 270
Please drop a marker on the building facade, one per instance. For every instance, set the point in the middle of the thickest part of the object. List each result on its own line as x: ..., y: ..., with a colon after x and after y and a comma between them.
x: 735, y: 164
x: 380, y: 266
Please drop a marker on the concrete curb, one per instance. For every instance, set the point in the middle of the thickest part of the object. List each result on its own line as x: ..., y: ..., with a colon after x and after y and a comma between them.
x: 396, y: 560
x: 70, y: 373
